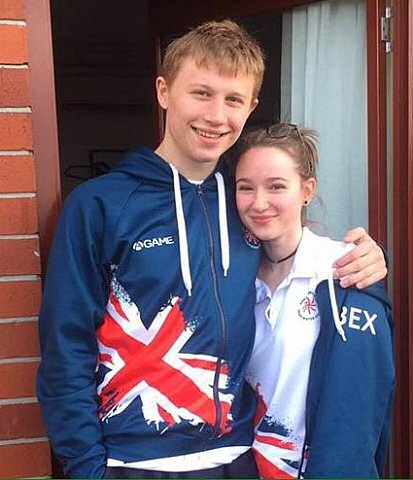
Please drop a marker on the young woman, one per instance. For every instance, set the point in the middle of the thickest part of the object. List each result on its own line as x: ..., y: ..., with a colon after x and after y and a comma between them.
x: 322, y: 364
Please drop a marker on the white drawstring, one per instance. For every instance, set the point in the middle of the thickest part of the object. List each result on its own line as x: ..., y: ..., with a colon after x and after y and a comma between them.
x: 334, y: 307
x: 223, y: 224
x: 183, y: 241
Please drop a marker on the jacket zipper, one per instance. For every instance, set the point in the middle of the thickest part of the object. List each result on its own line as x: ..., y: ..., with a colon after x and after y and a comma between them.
x: 221, y: 314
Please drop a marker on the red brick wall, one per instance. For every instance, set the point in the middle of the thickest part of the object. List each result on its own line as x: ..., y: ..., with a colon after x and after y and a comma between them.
x: 24, y: 449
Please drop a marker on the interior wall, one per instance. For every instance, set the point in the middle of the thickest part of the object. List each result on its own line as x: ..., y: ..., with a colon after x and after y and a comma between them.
x: 267, y: 29
x: 85, y: 133
x: 103, y: 81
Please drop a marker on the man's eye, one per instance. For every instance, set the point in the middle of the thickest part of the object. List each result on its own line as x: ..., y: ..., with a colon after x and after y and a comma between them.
x: 202, y: 93
x: 236, y: 100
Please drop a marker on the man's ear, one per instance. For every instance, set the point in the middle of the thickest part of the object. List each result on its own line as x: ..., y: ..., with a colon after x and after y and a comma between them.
x: 162, y: 92
x: 254, y: 104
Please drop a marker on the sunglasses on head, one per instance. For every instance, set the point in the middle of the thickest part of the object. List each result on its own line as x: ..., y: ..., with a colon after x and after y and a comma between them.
x: 284, y: 130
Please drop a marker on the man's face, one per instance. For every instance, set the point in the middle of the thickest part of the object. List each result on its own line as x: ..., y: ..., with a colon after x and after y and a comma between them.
x: 206, y: 113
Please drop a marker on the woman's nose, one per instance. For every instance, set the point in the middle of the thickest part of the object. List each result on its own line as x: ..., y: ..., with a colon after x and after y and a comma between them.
x: 260, y: 202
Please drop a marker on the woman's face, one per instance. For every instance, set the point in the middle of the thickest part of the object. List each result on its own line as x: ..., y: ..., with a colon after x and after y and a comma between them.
x: 270, y: 193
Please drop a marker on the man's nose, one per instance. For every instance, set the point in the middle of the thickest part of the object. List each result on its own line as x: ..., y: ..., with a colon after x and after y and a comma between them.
x: 215, y: 112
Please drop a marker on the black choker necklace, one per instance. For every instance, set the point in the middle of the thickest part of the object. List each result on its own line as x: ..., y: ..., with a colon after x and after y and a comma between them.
x: 276, y: 262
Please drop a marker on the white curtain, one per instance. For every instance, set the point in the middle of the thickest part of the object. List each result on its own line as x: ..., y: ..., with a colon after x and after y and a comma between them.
x: 323, y: 85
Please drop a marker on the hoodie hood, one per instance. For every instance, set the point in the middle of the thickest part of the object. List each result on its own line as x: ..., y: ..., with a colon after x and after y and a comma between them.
x: 145, y: 165
x: 150, y: 167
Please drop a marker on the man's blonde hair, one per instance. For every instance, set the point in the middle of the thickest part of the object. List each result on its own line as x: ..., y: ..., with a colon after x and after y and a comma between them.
x: 222, y: 43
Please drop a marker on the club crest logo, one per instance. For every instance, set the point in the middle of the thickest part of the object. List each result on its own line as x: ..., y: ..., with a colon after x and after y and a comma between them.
x: 251, y: 240
x: 308, y: 309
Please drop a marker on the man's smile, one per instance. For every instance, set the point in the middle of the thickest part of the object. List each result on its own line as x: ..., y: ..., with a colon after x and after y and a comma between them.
x: 208, y: 134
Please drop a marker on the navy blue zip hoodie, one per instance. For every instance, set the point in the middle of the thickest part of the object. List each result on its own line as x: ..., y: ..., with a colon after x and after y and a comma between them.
x: 145, y: 331
x: 351, y: 386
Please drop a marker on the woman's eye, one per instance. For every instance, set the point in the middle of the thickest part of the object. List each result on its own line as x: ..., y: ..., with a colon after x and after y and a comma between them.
x: 244, y: 188
x: 277, y: 186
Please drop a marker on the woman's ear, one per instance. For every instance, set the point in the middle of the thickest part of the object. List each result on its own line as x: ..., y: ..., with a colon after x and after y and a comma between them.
x: 162, y: 92
x: 308, y: 190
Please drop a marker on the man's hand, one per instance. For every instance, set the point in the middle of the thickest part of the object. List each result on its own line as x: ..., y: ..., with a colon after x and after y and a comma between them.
x: 364, y: 265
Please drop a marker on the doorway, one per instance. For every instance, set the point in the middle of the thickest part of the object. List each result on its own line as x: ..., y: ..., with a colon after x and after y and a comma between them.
x: 104, y: 81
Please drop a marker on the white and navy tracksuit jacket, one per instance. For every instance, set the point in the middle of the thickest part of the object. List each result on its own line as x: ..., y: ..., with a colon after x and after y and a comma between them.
x: 322, y: 367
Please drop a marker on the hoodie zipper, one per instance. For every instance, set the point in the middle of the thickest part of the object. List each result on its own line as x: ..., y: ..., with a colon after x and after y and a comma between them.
x: 221, y: 314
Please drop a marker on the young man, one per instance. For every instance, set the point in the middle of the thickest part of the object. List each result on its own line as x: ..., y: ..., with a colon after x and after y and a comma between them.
x: 147, y: 320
